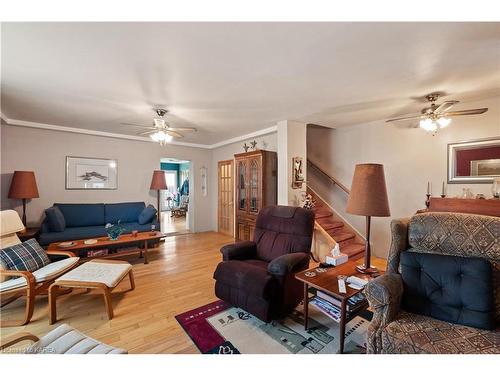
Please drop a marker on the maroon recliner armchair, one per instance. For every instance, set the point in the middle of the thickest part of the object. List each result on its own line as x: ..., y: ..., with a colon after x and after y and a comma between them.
x: 258, y: 275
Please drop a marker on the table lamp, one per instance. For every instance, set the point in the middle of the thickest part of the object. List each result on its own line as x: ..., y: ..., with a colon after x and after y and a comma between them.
x: 158, y: 182
x: 23, y: 186
x: 368, y: 197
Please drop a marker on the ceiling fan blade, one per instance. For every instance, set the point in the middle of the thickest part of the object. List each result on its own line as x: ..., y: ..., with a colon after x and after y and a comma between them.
x: 147, y: 132
x: 136, y: 125
x: 476, y: 111
x: 174, y: 134
x: 183, y: 129
x: 445, y: 106
x: 405, y: 118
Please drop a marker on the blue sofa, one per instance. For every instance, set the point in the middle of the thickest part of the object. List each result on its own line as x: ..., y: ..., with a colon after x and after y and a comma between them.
x: 87, y: 220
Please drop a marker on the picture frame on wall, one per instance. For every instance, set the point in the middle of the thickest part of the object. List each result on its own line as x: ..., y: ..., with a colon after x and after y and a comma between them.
x: 84, y: 173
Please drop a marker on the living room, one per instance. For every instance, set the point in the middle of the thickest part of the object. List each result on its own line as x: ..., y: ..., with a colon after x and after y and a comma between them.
x: 296, y: 187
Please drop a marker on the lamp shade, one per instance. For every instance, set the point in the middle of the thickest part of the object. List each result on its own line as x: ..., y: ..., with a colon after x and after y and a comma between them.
x: 23, y: 185
x: 158, y: 182
x: 368, y: 196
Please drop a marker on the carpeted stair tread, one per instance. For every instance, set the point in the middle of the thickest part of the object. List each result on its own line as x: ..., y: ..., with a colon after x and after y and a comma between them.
x: 320, y: 214
x: 329, y: 224
x: 353, y: 250
x: 340, y: 236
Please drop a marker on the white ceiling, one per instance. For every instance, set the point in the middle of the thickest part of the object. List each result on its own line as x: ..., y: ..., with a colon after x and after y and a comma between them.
x: 228, y: 79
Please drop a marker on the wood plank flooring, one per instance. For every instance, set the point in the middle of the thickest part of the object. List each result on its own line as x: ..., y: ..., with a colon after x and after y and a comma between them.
x: 177, y: 279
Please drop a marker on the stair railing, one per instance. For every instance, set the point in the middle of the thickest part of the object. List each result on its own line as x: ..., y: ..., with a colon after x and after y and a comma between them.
x: 331, y: 178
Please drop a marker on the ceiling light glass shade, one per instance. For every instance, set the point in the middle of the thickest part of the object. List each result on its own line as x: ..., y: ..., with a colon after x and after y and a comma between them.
x: 443, y: 122
x: 428, y: 125
x: 159, y: 122
x: 161, y: 137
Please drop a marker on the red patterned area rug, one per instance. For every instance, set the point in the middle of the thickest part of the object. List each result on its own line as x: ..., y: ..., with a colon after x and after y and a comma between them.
x: 219, y: 328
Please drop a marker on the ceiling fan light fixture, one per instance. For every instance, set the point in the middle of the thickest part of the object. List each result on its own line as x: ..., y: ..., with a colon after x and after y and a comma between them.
x: 159, y: 122
x: 428, y: 125
x: 443, y: 122
x: 161, y: 137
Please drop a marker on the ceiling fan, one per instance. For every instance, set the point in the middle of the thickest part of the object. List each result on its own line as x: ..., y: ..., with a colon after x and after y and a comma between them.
x: 161, y: 131
x: 437, y: 116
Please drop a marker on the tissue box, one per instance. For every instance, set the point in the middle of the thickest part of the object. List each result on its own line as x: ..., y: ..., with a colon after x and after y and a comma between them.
x: 336, y: 260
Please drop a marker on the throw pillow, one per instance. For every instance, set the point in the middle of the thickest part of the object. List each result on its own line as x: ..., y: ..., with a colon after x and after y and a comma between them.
x: 56, y: 220
x: 147, y: 215
x: 26, y: 256
x: 454, y: 289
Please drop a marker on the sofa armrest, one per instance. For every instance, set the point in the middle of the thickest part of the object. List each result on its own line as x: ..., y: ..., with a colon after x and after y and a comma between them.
x: 384, y: 296
x: 239, y: 251
x: 288, y: 263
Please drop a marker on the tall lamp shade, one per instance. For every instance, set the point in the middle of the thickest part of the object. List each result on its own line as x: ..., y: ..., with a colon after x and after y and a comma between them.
x: 158, y: 182
x: 23, y: 186
x: 368, y: 197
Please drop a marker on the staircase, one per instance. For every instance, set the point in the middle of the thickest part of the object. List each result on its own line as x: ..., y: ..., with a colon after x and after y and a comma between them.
x: 333, y: 226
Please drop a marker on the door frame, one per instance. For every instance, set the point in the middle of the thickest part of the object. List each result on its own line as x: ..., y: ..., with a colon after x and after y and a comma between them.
x: 231, y: 184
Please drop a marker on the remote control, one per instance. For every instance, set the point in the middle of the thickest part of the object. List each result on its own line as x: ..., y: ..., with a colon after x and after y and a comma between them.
x: 342, y: 288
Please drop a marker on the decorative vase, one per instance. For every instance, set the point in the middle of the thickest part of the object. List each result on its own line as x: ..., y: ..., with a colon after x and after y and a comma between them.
x: 114, y: 231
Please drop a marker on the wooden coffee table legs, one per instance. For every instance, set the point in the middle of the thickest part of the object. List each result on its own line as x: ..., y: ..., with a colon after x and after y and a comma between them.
x: 55, y: 291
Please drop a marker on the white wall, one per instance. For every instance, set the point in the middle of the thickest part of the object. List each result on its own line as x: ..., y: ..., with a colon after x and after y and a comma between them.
x: 45, y: 151
x: 411, y: 157
x: 291, y: 143
x: 227, y: 152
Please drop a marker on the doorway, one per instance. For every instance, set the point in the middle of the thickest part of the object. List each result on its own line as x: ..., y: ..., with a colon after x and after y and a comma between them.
x: 225, y: 209
x: 174, y: 201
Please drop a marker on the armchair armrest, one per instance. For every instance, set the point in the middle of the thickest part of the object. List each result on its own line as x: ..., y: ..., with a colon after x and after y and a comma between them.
x: 239, y: 251
x: 30, y: 279
x: 15, y: 338
x: 66, y: 254
x: 384, y: 296
x: 288, y: 263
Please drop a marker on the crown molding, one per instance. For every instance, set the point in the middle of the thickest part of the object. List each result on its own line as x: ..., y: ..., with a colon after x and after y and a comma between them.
x: 38, y: 125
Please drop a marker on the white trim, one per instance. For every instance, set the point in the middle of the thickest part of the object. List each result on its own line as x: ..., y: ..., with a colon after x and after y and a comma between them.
x: 258, y: 133
x: 38, y: 125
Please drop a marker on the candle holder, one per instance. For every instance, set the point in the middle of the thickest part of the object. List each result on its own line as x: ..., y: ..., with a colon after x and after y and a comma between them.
x: 428, y: 200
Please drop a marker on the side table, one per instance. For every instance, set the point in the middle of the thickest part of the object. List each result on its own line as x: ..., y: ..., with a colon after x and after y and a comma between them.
x: 28, y: 234
x: 327, y: 282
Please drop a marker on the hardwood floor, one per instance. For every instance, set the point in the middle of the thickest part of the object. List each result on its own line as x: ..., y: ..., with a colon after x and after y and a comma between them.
x: 177, y: 279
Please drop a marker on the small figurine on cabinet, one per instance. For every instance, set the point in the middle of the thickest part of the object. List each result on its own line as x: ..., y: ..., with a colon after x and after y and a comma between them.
x: 253, y: 145
x: 245, y: 147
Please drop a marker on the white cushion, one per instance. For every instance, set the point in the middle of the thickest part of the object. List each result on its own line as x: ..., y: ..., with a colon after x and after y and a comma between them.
x: 109, y: 274
x: 45, y: 273
x: 67, y: 340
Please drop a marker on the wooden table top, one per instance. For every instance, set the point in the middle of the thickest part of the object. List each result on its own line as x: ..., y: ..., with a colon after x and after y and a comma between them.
x: 328, y: 281
x: 105, y: 241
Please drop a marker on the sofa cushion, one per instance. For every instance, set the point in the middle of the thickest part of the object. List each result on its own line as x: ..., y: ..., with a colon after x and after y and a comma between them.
x: 127, y: 212
x: 55, y: 219
x: 26, y: 256
x: 147, y: 215
x: 412, y: 333
x: 252, y: 278
x: 82, y: 214
x: 454, y: 289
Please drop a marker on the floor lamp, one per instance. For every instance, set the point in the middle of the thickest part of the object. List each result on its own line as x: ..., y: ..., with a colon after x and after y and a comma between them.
x: 158, y: 182
x: 368, y: 197
x: 23, y: 186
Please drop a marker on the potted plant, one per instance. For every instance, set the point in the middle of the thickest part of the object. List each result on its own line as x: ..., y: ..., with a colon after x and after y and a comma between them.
x: 114, y: 231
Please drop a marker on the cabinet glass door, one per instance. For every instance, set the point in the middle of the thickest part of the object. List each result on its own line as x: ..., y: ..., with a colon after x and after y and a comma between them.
x: 254, y: 185
x: 242, y: 182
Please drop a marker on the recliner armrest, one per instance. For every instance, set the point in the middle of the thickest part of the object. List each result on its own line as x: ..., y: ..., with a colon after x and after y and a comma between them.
x: 239, y: 251
x: 288, y: 263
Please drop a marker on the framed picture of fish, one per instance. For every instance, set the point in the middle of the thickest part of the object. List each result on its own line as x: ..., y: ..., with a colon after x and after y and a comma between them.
x: 90, y: 173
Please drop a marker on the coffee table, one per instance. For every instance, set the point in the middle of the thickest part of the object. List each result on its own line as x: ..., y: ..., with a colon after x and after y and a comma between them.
x: 124, y: 240
x: 327, y: 282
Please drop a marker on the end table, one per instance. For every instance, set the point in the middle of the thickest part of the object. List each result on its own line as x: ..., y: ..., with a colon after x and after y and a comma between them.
x: 28, y: 234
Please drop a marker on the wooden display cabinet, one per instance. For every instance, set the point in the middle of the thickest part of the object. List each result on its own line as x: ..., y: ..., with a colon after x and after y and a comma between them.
x: 255, y: 186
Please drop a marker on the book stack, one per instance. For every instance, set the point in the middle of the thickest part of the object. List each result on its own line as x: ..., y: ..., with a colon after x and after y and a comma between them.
x: 331, y: 306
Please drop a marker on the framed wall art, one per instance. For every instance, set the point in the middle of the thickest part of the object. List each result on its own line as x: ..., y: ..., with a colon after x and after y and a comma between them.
x: 90, y: 173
